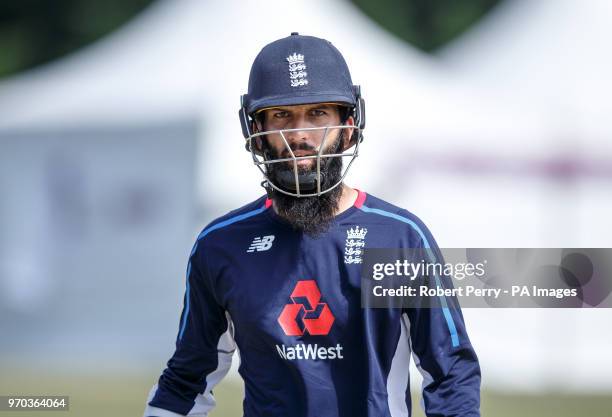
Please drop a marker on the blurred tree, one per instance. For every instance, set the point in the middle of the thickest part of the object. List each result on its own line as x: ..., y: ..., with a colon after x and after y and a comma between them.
x: 426, y: 24
x: 33, y: 32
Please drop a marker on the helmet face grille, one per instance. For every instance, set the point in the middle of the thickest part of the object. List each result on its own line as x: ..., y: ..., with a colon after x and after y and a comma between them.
x: 293, y: 181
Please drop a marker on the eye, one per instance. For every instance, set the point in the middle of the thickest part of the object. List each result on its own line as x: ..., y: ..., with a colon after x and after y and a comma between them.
x: 318, y: 112
x: 280, y: 114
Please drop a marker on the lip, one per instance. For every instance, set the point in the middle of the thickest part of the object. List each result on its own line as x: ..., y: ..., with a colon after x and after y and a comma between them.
x: 303, y: 153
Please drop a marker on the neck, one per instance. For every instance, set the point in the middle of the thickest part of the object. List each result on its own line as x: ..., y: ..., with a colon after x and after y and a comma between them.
x: 347, y: 199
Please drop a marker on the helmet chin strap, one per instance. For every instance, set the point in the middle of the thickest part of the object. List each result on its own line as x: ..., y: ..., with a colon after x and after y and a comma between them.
x: 285, y: 178
x: 307, y: 181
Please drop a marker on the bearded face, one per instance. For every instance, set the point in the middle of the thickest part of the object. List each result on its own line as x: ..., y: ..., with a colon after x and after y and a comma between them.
x: 312, y: 215
x: 291, y: 139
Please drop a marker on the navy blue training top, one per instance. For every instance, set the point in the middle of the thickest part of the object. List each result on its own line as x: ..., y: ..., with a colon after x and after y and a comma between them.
x: 291, y: 304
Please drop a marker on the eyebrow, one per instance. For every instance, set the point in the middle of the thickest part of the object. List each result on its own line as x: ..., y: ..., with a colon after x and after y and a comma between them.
x: 310, y: 107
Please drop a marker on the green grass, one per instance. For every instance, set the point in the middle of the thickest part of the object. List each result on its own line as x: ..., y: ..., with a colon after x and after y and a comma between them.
x: 124, y: 395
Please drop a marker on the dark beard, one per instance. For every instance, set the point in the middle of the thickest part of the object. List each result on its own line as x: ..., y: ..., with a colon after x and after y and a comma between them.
x: 311, y: 215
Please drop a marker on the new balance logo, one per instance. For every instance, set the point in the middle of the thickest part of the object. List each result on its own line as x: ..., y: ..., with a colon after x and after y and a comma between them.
x: 260, y: 244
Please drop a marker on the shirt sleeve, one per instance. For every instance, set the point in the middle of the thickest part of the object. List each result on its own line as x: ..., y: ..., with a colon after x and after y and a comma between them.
x: 442, y: 350
x: 204, y: 349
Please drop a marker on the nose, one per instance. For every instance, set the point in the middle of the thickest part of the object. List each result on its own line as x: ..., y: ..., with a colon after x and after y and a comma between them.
x: 298, y: 121
x: 300, y: 137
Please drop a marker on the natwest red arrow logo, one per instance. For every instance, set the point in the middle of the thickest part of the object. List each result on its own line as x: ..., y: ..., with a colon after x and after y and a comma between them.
x: 307, y: 314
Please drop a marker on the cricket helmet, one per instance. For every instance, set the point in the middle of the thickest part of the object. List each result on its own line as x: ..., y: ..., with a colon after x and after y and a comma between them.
x: 299, y: 70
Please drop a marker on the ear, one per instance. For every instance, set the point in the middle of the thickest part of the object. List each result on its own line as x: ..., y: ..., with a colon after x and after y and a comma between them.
x: 258, y: 122
x: 258, y: 141
x: 348, y: 134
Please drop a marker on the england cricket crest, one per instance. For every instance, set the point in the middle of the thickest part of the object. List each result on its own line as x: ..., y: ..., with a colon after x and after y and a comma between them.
x: 353, y: 247
x: 297, y: 70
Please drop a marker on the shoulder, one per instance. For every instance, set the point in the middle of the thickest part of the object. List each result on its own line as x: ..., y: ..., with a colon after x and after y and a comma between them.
x: 400, y: 217
x: 234, y: 217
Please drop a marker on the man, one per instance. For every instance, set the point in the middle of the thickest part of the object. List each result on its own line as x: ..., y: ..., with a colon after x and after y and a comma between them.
x: 280, y: 277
